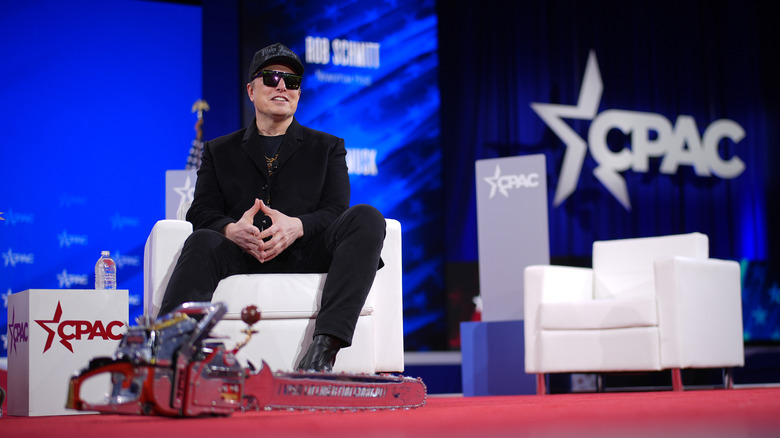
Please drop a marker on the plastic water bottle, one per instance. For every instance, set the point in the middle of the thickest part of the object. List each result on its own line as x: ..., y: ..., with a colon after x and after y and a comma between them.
x: 105, y: 272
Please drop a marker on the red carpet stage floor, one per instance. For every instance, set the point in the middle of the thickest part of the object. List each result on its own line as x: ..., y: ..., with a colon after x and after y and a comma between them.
x: 741, y: 412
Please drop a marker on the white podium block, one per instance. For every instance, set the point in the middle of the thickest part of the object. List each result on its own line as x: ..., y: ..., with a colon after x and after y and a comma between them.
x: 512, y: 230
x: 51, y: 335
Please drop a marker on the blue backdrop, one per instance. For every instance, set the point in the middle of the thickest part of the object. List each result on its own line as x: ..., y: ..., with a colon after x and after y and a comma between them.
x: 96, y: 100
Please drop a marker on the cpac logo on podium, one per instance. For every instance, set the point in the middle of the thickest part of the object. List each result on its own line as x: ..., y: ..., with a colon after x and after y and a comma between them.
x: 652, y: 135
x: 77, y: 330
x: 18, y: 332
x: 503, y: 183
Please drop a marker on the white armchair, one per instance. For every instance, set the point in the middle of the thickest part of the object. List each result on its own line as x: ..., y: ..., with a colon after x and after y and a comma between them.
x: 289, y: 304
x: 647, y: 304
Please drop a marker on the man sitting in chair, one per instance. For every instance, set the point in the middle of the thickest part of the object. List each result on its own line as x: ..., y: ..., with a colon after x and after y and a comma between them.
x: 274, y: 198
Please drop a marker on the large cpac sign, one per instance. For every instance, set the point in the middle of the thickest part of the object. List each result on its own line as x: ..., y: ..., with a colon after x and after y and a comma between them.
x: 652, y: 135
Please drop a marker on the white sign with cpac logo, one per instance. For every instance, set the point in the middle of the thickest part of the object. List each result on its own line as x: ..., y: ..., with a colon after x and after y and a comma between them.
x: 511, y: 230
x: 55, y: 333
x: 503, y: 183
x: 651, y: 135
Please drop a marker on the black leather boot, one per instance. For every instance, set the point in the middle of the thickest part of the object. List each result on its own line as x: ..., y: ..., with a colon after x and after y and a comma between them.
x: 321, y: 354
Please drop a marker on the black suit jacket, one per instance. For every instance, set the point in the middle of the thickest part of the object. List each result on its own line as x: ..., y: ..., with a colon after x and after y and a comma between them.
x: 311, y: 181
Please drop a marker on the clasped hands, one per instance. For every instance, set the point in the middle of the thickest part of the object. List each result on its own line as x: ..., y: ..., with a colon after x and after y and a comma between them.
x: 283, y: 231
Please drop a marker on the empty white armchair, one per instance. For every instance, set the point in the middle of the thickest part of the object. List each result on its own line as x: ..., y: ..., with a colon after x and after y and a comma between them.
x: 288, y: 304
x: 647, y: 304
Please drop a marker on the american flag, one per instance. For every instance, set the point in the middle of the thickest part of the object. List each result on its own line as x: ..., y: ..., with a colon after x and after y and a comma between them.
x: 196, y: 151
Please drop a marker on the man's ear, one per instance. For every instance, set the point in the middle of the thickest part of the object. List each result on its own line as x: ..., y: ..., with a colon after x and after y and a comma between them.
x: 250, y: 91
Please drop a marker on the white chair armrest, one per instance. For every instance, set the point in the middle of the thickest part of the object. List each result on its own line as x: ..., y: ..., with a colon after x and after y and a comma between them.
x: 160, y: 254
x: 699, y: 312
x: 387, y: 298
x: 549, y: 283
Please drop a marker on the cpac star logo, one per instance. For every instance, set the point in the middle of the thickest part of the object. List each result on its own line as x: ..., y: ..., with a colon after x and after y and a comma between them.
x: 14, y: 217
x: 502, y: 183
x: 12, y: 258
x: 66, y: 240
x: 120, y: 222
x: 70, y: 330
x: 17, y: 332
x: 651, y: 135
x: 50, y: 337
x: 67, y: 280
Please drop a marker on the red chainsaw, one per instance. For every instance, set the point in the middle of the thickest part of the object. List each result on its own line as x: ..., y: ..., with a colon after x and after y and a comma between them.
x: 171, y: 367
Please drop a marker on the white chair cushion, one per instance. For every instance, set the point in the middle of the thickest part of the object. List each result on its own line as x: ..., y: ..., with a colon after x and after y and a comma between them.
x: 599, y: 314
x: 278, y: 296
x: 569, y: 351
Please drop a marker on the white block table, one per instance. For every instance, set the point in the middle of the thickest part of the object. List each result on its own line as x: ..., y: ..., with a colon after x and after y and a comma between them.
x: 51, y: 335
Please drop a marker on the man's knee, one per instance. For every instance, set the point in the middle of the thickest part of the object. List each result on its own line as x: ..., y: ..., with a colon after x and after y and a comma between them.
x: 368, y: 222
x: 204, y: 239
x: 368, y: 216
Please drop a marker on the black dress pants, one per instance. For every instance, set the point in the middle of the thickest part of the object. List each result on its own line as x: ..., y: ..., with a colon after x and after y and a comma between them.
x: 348, y: 250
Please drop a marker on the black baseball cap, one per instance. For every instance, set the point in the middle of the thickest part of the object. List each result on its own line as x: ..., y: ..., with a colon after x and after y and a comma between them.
x: 275, y: 54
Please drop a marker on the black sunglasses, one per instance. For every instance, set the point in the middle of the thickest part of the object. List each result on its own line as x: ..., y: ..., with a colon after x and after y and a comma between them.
x: 271, y: 78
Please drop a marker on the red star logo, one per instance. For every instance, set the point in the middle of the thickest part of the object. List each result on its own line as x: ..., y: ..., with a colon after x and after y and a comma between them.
x: 50, y: 338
